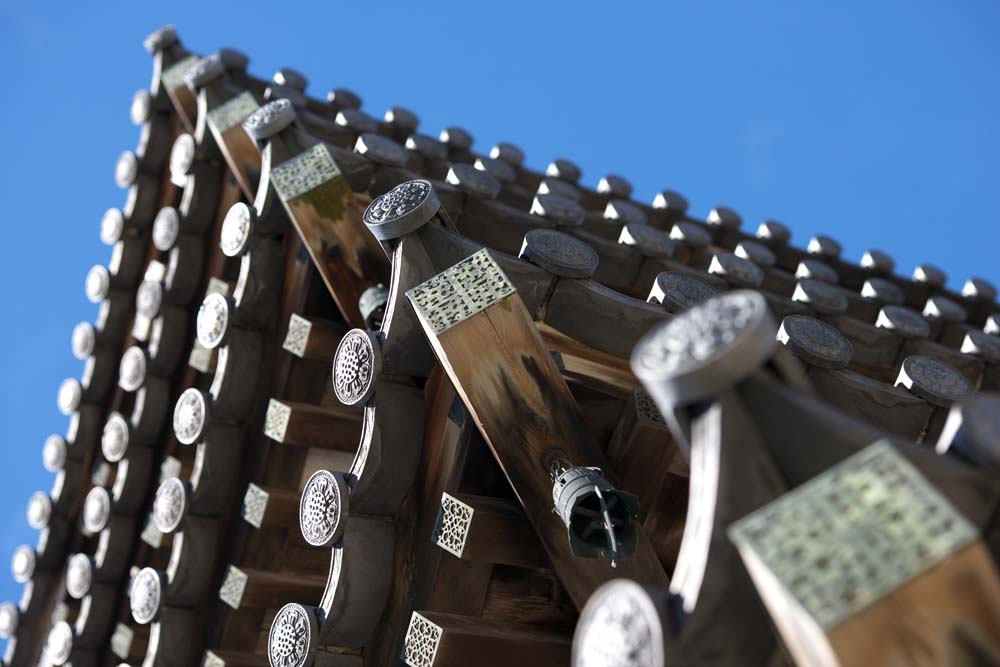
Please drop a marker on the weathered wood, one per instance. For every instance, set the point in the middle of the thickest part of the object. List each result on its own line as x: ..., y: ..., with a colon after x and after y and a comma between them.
x: 306, y: 425
x: 487, y: 530
x: 311, y: 338
x: 263, y: 590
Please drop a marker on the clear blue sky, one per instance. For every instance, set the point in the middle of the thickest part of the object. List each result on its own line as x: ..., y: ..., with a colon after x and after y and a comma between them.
x: 873, y: 122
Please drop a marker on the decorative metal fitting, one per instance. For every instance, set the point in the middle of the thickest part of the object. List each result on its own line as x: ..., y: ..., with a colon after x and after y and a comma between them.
x: 600, y: 519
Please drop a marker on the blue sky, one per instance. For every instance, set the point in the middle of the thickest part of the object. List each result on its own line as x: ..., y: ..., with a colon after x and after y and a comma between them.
x: 872, y: 122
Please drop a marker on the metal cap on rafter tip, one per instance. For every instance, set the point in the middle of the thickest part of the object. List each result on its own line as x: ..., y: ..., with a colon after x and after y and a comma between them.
x: 981, y: 345
x: 39, y: 510
x: 472, y: 181
x: 96, y: 510
x: 372, y: 304
x: 497, y: 168
x: 182, y: 158
x: 558, y: 253
x: 884, y: 291
x: 943, y: 308
x: 615, y: 186
x: 690, y: 234
x: 814, y: 268
x: 166, y: 228
x: 723, y: 216
x: 553, y: 186
x: 558, y: 209
x: 269, y: 119
x: 426, y: 147
x: 879, y: 262
x: 126, y: 169
x: 237, y: 229
x: 79, y: 575
x: 141, y: 108
x: 824, y: 247
x: 214, y: 320
x: 621, y: 626
x: 112, y: 226
x: 296, y: 97
x: 69, y: 396
x: 54, y: 453
x: 773, y: 232
x: 736, y: 270
x: 293, y: 637
x: 625, y: 212
x: 678, y: 291
x: 133, y: 368
x: 648, y: 240
x: 381, y: 150
x: 190, y: 416
x: 204, y: 70
x: 404, y: 209
x: 23, y: 563
x: 324, y: 508
x: 934, y: 381
x: 823, y: 297
x: 83, y: 342
x: 456, y: 138
x: 972, y: 431
x: 904, y: 322
x: 149, y: 299
x: 403, y: 119
x: 9, y: 617
x: 705, y: 350
x: 928, y: 274
x: 508, y: 152
x: 815, y: 342
x: 146, y: 594
x: 356, y: 366
x: 758, y: 253
x: 59, y: 643
x: 600, y: 519
x: 342, y: 98
x: 356, y: 120
x: 992, y: 325
x: 233, y: 60
x: 564, y: 170
x: 286, y: 76
x: 160, y: 39
x: 98, y: 283
x: 671, y: 202
x: 115, y: 437
x: 979, y: 288
x: 173, y: 497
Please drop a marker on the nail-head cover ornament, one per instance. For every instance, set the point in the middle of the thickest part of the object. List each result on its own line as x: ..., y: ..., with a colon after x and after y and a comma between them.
x: 269, y: 119
x: 402, y: 210
x: 619, y: 627
x: 934, y: 381
x: 115, y: 438
x: 170, y: 504
x: 815, y: 341
x: 96, y: 510
x: 559, y: 253
x: 323, y: 509
x: 144, y: 598
x: 293, y: 636
x: 357, y: 364
x: 213, y: 320
x: 79, y: 575
x: 190, y: 414
x: 678, y: 292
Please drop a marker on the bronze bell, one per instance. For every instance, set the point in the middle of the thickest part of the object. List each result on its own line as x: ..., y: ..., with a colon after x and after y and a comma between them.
x: 600, y: 518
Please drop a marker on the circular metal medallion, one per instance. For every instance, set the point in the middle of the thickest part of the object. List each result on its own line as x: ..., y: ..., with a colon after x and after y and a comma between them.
x: 690, y: 234
x: 813, y: 268
x: 553, y: 186
x: 558, y: 209
x: 79, y: 575
x: 723, y: 216
x: 402, y: 210
x: 39, y: 510
x: 112, y: 226
x: 126, y: 169
x: 507, y: 152
x: 706, y: 349
x: 736, y: 270
x: 678, y: 292
x: 982, y: 345
x: 758, y: 253
x: 213, y: 320
x: 69, y: 396
x: 160, y: 39
x: 166, y: 228
x: 934, y: 381
x: 905, y: 322
x: 144, y: 598
x: 115, y: 438
x: 498, y: 169
x: 625, y: 212
x: 564, y: 170
x: 815, y: 342
x: 877, y: 261
x: 323, y: 509
x: 427, y: 147
x: 559, y: 253
x: 236, y: 229
x: 979, y: 288
x: 22, y: 564
x: 402, y: 118
x: 648, y: 240
x: 170, y: 504
x: 356, y: 366
x: 96, y: 510
x: 884, y: 291
x: 824, y: 247
x: 182, y: 158
x: 381, y: 150
x: 141, y: 108
x: 293, y: 636
x: 943, y: 308
x: 149, y: 299
x: 204, y: 70
x: 84, y: 340
x: 823, y: 297
x: 59, y: 644
x: 671, y: 202
x: 456, y: 137
x: 614, y: 185
x: 54, y: 453
x: 773, y: 232
x: 190, y: 414
x: 928, y: 274
x: 269, y: 119
x: 132, y: 372
x: 9, y: 617
x: 472, y: 181
x: 974, y: 426
x: 98, y: 284
x: 619, y: 627
x: 356, y: 120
